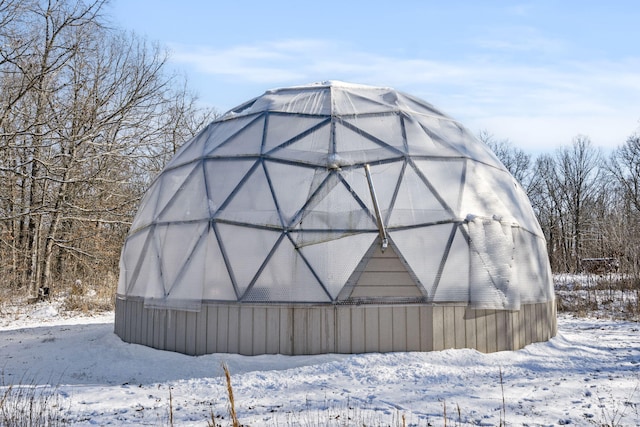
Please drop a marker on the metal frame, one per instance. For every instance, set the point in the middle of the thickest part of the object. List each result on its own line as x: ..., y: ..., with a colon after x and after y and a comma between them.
x: 264, y: 156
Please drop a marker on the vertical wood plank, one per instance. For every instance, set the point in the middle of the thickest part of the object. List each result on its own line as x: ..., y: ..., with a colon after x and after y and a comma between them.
x: 286, y: 330
x: 344, y: 329
x: 180, y: 331
x: 117, y: 319
x: 550, y: 320
x: 399, y: 328
x: 528, y: 324
x: 481, y: 330
x: 212, y: 329
x: 492, y: 339
x: 501, y: 330
x: 438, y: 328
x: 554, y: 308
x: 170, y: 343
x: 426, y: 328
x: 372, y: 329
x: 160, y: 329
x: 522, y: 326
x: 300, y: 331
x: 540, y: 314
x: 259, y: 335
x: 460, y: 326
x: 449, y: 327
x: 201, y: 330
x: 471, y: 340
x: 245, y: 330
x: 128, y: 324
x: 413, y: 328
x: 385, y: 329
x: 190, y: 332
x: 357, y: 330
x: 273, y: 330
x: 135, y: 319
x: 329, y: 330
x: 222, y: 336
x: 233, y: 339
x: 314, y: 331
x: 147, y: 326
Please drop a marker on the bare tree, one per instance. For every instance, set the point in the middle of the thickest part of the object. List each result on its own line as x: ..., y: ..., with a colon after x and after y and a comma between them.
x: 513, y: 158
x: 88, y: 116
x: 624, y: 167
x: 546, y: 198
x: 569, y: 196
x: 579, y: 173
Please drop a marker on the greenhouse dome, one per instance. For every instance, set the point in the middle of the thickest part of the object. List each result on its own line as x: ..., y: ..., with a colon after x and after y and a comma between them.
x: 334, y: 218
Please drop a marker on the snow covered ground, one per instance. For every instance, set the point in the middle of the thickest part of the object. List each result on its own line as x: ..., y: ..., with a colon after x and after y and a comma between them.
x: 588, y: 375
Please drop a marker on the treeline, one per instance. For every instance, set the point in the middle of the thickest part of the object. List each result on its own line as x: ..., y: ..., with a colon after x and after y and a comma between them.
x: 88, y: 115
x: 587, y: 201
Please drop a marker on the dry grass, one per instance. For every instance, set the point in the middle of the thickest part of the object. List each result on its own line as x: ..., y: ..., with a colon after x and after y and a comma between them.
x: 232, y: 402
x: 30, y: 406
x: 98, y: 301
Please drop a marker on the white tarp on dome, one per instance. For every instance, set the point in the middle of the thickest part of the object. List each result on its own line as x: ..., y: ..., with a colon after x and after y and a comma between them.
x: 272, y: 203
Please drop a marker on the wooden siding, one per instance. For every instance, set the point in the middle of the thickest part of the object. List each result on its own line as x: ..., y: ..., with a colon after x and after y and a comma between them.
x: 384, y: 275
x: 253, y: 329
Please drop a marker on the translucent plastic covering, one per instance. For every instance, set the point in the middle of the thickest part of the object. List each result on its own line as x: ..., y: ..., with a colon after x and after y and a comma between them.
x: 271, y: 203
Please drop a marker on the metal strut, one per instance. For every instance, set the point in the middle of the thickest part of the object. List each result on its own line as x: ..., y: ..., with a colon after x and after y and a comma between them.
x: 381, y: 230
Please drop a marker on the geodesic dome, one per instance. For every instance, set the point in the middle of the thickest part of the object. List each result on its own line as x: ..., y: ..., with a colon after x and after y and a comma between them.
x: 322, y: 201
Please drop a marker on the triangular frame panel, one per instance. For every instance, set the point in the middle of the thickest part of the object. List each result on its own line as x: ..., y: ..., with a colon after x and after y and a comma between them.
x: 225, y: 131
x: 385, y: 178
x: 245, y: 249
x: 191, y: 151
x: 387, y: 128
x: 187, y: 203
x: 222, y: 177
x: 169, y: 185
x: 424, y: 249
x: 447, y: 177
x: 354, y: 146
x: 246, y: 142
x: 452, y: 283
x: 334, y: 206
x: 176, y: 242
x: 218, y: 285
x: 416, y: 204
x: 282, y: 132
x: 421, y: 143
x: 293, y: 186
x: 334, y: 257
x: 286, y: 277
x: 135, y: 249
x: 252, y: 202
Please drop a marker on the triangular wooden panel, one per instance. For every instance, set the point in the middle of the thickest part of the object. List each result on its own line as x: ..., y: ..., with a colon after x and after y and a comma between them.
x: 381, y: 275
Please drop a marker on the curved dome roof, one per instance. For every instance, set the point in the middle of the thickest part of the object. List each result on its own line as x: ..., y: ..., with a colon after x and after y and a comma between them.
x: 291, y: 195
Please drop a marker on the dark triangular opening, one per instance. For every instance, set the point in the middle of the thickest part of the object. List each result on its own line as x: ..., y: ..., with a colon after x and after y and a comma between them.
x: 382, y: 276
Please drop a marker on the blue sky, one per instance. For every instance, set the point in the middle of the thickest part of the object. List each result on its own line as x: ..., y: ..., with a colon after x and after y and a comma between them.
x: 537, y: 73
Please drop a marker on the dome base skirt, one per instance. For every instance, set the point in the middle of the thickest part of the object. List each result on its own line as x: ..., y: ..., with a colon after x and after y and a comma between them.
x: 253, y: 329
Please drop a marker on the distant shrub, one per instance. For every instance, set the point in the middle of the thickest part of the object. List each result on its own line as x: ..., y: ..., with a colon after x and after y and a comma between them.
x: 592, y: 295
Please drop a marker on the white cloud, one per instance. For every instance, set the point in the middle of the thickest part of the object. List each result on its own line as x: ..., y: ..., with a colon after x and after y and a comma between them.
x: 518, y: 40
x: 545, y: 133
x: 522, y: 9
x: 540, y: 103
